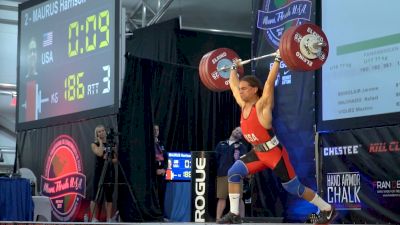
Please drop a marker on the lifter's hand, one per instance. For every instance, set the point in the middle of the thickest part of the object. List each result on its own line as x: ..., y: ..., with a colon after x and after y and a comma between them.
x: 236, y: 64
x: 278, y: 56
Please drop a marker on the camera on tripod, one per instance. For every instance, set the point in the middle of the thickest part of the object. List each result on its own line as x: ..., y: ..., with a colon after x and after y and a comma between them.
x: 111, y: 136
x: 111, y: 143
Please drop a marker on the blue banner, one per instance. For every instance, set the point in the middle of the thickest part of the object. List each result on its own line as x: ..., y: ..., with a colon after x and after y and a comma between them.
x: 294, y: 103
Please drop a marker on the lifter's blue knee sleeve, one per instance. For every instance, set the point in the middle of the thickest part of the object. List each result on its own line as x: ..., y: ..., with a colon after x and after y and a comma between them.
x: 237, y: 171
x: 294, y: 187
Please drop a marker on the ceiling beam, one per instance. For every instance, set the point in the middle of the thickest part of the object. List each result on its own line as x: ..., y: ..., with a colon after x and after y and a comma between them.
x: 215, y: 31
x: 9, y: 8
x: 10, y: 22
x: 160, y: 13
x: 7, y: 126
x: 8, y: 87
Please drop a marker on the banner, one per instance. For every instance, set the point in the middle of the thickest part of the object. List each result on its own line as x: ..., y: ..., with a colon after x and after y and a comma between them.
x: 294, y: 107
x: 360, y: 174
x: 203, y: 186
x: 63, y: 162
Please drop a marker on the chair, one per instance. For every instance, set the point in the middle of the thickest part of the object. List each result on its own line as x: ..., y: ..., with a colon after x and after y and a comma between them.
x: 28, y: 174
x: 42, y: 208
x: 42, y: 205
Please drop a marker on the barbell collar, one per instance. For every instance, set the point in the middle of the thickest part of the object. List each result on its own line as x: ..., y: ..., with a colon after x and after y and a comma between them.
x: 319, y: 44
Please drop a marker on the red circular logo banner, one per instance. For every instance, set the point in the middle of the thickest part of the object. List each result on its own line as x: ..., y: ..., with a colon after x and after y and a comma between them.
x: 63, y: 179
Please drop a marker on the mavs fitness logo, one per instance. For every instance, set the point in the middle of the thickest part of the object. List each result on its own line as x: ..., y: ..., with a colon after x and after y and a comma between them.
x: 63, y: 181
x: 279, y: 15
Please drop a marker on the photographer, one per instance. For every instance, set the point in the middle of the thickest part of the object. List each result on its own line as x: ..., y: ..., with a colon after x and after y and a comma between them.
x: 104, y: 149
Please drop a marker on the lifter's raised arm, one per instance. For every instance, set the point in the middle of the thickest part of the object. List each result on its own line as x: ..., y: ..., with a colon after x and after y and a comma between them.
x: 267, y: 97
x: 234, y: 84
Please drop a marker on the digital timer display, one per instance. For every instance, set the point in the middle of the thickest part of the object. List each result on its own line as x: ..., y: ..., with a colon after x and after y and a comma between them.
x: 68, y: 57
x: 89, y: 30
x: 179, y: 166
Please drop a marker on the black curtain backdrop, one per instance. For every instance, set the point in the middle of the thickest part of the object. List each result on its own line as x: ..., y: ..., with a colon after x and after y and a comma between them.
x: 162, y: 86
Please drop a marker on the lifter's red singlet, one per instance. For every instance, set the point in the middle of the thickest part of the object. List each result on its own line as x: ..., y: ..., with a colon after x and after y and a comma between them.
x: 256, y: 134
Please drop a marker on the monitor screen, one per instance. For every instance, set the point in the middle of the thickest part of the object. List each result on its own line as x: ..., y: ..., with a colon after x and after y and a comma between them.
x: 68, y: 54
x: 179, y: 166
x: 360, y: 85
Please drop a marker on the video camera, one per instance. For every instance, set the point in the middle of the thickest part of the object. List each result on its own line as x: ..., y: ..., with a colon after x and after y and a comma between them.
x: 111, y: 136
x: 111, y: 143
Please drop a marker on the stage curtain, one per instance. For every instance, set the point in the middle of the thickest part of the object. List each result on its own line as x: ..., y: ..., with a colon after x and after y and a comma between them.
x: 162, y: 85
x: 191, y: 118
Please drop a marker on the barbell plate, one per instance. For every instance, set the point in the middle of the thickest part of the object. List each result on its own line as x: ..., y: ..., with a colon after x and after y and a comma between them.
x: 222, y: 57
x: 201, y: 70
x: 300, y: 61
x: 218, y: 58
x: 207, y: 77
x: 283, y: 47
x: 203, y: 73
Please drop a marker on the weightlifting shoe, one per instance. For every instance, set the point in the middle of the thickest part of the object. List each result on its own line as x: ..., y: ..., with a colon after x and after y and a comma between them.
x: 230, y: 218
x: 324, y: 217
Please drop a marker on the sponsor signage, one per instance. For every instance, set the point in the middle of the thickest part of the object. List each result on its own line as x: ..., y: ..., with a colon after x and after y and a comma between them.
x: 203, y: 186
x: 360, y: 172
x: 342, y: 190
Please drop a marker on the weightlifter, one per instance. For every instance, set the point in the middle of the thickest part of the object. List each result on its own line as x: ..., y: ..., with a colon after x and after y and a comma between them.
x: 257, y: 103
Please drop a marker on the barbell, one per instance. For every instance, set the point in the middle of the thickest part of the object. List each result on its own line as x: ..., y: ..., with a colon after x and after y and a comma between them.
x: 302, y: 48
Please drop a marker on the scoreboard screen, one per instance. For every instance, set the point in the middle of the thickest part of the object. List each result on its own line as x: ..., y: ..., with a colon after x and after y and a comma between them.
x: 179, y: 166
x: 68, y: 57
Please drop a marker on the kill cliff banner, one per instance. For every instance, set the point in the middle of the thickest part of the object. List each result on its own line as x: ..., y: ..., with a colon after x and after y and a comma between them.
x: 361, y: 174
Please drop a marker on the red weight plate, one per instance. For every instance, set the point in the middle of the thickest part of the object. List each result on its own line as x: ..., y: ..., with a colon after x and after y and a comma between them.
x: 289, y: 52
x: 217, y: 59
x: 202, y: 72
x: 302, y: 63
x: 206, y: 75
x: 209, y: 76
x: 283, y: 47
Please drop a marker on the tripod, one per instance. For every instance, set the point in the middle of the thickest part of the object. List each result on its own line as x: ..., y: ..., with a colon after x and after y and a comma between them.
x: 108, y: 165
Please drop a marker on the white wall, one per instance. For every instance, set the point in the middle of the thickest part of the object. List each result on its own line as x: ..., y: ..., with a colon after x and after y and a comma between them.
x: 8, y: 75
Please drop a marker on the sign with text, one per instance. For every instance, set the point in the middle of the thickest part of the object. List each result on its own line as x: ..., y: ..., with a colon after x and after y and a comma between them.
x: 360, y: 173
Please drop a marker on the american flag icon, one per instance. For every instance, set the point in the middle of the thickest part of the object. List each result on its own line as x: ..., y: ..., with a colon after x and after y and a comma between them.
x: 47, y: 38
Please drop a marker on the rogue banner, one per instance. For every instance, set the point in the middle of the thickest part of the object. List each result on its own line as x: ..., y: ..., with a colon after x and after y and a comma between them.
x: 203, y: 186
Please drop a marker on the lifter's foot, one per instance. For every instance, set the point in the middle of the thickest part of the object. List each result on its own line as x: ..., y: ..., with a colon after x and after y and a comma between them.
x: 230, y: 218
x: 324, y: 217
